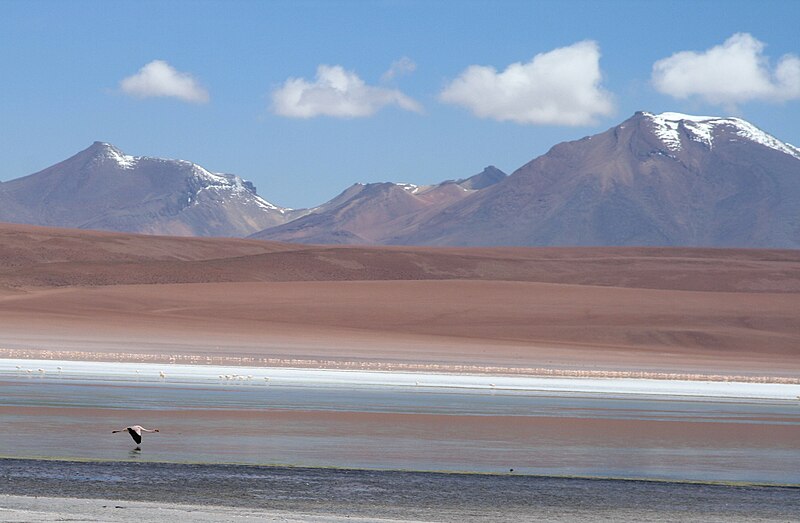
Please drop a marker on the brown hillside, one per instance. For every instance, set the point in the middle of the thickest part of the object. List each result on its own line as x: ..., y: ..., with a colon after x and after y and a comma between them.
x: 716, y: 311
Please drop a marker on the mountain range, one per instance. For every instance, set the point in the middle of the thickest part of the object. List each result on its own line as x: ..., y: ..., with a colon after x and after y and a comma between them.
x: 655, y: 179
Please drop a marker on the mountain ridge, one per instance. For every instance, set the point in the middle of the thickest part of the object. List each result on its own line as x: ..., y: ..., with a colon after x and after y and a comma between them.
x: 666, y: 179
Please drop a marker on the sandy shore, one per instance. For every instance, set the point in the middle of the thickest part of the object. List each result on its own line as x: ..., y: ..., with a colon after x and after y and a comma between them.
x: 26, y: 509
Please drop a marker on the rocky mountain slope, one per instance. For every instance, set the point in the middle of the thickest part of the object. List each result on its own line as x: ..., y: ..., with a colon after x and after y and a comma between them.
x: 376, y: 213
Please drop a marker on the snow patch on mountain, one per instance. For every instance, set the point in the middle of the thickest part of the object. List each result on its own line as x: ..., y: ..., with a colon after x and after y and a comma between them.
x: 205, y: 179
x: 230, y: 184
x: 667, y: 127
x: 409, y: 187
x: 109, y: 152
x: 212, y: 179
x: 264, y: 204
x: 753, y: 133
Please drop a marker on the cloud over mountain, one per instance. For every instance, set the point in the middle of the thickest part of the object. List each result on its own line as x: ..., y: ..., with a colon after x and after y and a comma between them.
x: 734, y: 72
x: 159, y: 79
x: 336, y: 92
x: 559, y: 87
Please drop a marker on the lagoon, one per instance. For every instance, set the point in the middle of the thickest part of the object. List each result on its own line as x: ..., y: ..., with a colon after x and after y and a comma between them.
x: 737, y: 432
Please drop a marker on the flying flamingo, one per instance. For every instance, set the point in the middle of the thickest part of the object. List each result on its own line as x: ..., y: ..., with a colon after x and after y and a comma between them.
x: 136, y: 433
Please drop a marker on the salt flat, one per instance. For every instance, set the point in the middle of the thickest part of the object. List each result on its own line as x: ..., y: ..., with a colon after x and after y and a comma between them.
x: 260, y: 376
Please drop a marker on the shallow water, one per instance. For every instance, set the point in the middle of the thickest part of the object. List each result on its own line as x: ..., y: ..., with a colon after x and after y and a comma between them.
x: 300, y: 494
x: 370, y: 424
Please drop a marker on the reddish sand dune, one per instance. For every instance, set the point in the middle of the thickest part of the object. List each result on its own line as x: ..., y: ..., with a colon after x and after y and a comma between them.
x: 683, y: 310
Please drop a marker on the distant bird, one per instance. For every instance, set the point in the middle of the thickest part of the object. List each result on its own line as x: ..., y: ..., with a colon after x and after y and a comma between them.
x: 136, y: 433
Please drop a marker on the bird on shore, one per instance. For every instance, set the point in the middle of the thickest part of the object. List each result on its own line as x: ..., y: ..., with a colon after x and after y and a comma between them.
x: 136, y: 433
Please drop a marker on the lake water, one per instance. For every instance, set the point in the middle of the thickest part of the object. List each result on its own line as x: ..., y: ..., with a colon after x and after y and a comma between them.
x: 401, y: 421
x: 235, y: 492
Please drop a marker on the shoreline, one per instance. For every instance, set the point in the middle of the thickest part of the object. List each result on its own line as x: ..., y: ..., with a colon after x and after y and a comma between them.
x: 380, y: 366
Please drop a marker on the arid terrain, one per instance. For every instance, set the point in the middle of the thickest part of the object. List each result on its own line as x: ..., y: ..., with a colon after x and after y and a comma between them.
x: 670, y: 310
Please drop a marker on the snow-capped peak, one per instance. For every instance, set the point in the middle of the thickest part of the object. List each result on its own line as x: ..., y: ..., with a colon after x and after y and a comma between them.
x: 109, y: 152
x: 666, y: 126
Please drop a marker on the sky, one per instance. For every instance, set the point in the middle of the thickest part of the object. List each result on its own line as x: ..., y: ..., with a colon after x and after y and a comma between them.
x: 305, y: 98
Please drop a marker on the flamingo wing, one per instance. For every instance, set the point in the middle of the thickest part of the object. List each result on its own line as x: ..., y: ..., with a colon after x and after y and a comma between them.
x: 136, y: 434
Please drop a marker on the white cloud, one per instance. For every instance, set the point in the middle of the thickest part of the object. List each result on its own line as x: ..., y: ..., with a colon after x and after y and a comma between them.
x: 736, y: 71
x: 400, y: 67
x: 336, y: 92
x: 560, y: 87
x: 159, y: 79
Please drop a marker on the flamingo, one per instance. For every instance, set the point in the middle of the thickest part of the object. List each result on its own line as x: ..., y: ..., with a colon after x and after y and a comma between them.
x: 136, y: 433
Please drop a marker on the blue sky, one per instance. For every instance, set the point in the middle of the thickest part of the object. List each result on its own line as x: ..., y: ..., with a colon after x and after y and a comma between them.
x: 238, y: 86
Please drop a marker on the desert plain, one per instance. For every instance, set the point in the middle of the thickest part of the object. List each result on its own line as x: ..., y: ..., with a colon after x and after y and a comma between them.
x: 711, y: 312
